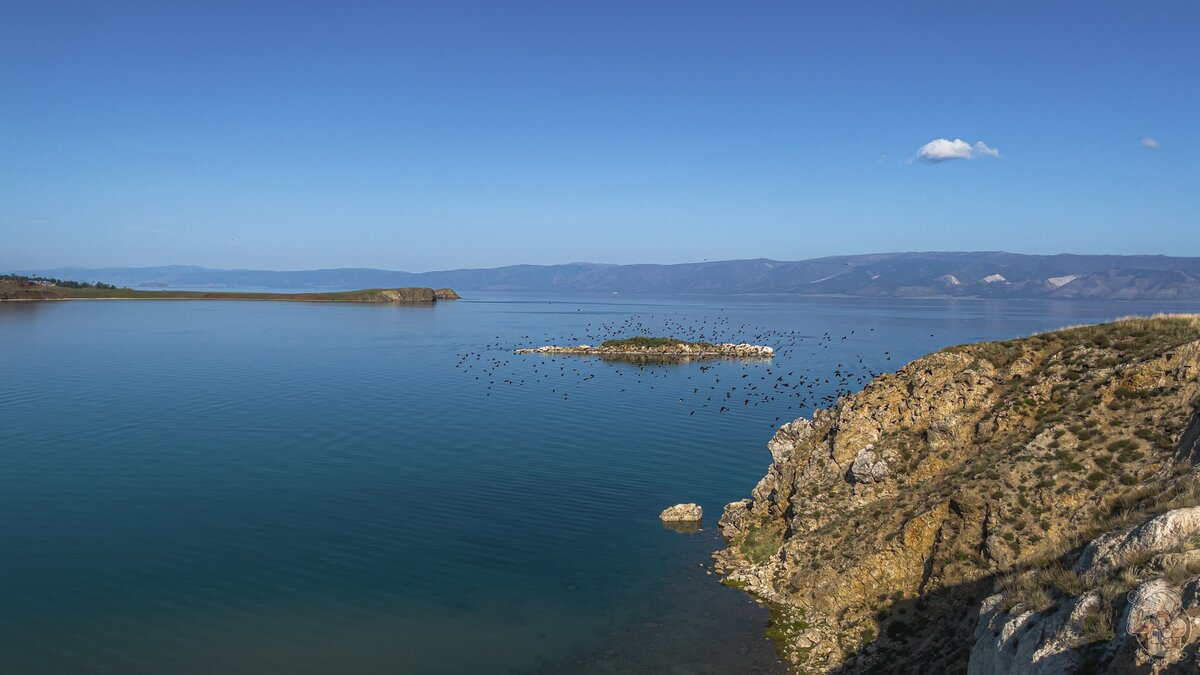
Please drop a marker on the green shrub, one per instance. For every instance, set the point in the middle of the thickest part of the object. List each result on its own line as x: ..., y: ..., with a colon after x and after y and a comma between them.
x: 647, y: 342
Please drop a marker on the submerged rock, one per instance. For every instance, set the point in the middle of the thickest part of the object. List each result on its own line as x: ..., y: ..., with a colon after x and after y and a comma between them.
x: 682, y: 526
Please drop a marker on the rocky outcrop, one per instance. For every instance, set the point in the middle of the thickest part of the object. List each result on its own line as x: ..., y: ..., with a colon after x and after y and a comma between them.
x: 1031, y: 642
x: 445, y: 294
x: 1157, y: 629
x: 682, y: 513
x: 870, y: 466
x: 885, y: 523
x: 1115, y: 550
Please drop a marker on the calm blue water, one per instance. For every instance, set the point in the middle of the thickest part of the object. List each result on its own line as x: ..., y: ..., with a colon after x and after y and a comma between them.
x: 204, y: 487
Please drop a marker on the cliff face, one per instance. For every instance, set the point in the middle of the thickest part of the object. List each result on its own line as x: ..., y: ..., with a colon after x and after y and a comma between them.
x: 962, y: 484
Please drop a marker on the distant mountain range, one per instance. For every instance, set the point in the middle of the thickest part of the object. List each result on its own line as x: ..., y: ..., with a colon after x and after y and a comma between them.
x: 910, y: 275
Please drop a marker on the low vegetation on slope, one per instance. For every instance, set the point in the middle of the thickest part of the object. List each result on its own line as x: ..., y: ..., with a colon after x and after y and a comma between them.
x: 645, y: 342
x: 884, y: 523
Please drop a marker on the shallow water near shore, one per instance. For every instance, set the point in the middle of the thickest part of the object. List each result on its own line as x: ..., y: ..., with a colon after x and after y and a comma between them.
x: 246, y: 487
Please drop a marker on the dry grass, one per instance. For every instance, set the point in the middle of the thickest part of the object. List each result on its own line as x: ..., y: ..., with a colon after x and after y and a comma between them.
x: 1024, y: 590
x: 1038, y: 583
x: 1097, y: 624
x: 1061, y: 579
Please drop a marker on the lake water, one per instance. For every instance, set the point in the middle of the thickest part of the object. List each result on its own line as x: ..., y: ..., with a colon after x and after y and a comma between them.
x: 248, y: 487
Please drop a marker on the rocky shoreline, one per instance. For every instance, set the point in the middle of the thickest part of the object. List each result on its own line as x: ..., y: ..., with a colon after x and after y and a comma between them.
x: 1009, y: 507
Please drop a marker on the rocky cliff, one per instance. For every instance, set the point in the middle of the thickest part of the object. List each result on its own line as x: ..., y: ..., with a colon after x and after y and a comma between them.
x: 989, y: 507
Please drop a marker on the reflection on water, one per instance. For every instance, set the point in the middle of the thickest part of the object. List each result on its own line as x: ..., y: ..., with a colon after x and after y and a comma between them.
x: 682, y: 526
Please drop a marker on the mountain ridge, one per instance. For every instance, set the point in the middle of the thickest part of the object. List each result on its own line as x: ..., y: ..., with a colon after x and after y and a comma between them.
x: 982, y: 274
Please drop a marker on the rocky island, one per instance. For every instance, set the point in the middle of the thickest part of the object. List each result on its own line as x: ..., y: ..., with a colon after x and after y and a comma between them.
x: 1026, y: 506
x: 659, y: 348
x: 682, y: 513
x: 14, y: 287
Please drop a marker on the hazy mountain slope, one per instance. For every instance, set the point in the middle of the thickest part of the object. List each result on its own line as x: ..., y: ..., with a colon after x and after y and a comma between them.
x: 931, y: 274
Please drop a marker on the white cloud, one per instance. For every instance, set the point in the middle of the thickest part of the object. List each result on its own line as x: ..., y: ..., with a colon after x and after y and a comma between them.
x: 1148, y: 143
x: 942, y: 150
x: 982, y: 150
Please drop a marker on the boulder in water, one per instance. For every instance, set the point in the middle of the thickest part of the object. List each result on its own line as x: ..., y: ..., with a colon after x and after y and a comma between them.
x: 682, y: 513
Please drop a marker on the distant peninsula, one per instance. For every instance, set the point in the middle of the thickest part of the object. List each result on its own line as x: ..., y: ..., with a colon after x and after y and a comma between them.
x: 659, y: 348
x: 18, y: 288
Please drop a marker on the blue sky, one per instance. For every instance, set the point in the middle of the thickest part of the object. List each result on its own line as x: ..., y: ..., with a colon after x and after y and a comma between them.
x: 437, y: 135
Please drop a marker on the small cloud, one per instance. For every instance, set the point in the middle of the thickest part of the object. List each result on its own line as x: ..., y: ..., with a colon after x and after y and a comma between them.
x: 1148, y: 143
x: 942, y: 150
x: 982, y: 150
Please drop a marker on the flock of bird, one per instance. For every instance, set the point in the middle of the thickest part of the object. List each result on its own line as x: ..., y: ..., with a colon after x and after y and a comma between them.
x: 720, y: 385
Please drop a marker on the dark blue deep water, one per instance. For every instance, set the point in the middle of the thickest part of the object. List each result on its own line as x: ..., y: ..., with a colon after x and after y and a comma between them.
x: 249, y: 487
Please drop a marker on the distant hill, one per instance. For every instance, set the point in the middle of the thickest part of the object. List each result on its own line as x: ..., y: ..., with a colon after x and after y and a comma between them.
x: 953, y: 274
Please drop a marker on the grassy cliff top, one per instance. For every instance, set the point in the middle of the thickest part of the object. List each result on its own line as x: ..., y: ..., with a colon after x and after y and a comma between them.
x: 1128, y: 338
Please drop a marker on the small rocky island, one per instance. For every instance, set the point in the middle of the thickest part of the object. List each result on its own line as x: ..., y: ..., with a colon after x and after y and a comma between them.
x: 659, y: 348
x: 682, y: 518
x: 1025, y: 506
x: 682, y: 513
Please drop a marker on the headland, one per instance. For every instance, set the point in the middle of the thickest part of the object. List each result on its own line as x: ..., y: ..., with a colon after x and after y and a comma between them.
x: 1030, y: 505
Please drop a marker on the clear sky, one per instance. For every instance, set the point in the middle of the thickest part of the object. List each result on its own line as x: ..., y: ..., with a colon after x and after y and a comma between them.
x: 441, y: 134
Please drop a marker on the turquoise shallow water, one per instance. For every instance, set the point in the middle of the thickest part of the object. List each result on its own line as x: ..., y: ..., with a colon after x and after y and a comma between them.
x: 202, y: 487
